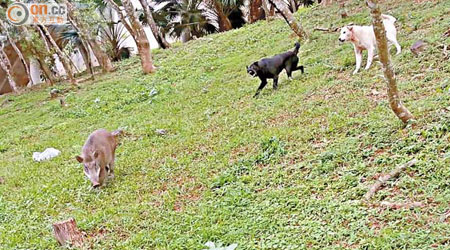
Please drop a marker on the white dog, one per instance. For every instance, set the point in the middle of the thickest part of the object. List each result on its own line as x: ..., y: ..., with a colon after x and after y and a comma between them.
x: 363, y: 38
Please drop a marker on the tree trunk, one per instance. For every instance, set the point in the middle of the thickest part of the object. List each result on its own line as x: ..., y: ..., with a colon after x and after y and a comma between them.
x: 267, y: 13
x: 47, y: 71
x: 281, y: 7
x: 224, y: 22
x: 40, y: 57
x: 5, y: 64
x: 84, y: 49
x: 151, y: 22
x: 17, y: 50
x: 85, y: 53
x: 64, y: 60
x: 137, y: 32
x: 293, y: 5
x: 185, y: 35
x: 380, y: 34
x: 102, y: 58
x: 257, y: 11
x: 66, y: 232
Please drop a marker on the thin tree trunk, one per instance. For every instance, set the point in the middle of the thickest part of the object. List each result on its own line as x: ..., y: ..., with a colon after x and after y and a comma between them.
x: 84, y: 49
x: 102, y: 58
x: 267, y: 13
x: 47, y: 71
x: 151, y: 22
x: 6, y: 66
x: 64, y: 60
x: 17, y: 50
x: 137, y: 32
x: 290, y: 19
x: 294, y: 6
x: 224, y: 22
x: 380, y: 34
x: 85, y: 53
x: 39, y: 56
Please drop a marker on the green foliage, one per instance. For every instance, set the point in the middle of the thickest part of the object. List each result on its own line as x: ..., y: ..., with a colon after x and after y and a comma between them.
x: 285, y: 171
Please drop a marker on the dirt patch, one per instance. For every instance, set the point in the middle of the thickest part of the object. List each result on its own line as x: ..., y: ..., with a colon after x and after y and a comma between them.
x: 240, y: 151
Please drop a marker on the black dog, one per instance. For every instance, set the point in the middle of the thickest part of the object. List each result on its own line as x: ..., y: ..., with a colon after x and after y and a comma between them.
x: 272, y: 67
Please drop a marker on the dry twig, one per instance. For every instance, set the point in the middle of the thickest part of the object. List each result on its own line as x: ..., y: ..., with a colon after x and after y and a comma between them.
x: 382, y: 180
x: 406, y: 205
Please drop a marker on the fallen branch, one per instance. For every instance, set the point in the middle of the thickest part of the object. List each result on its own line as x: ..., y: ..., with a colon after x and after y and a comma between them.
x: 445, y: 216
x: 326, y: 29
x: 382, y: 180
x: 447, y: 33
x: 66, y: 232
x: 406, y: 205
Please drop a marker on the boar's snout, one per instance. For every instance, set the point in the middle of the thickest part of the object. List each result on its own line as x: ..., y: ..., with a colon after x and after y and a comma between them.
x: 95, y: 185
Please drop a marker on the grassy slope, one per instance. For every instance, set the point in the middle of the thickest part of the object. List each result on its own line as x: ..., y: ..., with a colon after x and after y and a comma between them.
x: 284, y: 171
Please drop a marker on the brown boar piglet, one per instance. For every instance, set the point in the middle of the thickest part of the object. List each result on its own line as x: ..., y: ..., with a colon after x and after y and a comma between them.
x: 98, y: 155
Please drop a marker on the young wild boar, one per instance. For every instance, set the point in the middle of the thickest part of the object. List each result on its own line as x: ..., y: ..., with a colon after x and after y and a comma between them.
x: 98, y: 157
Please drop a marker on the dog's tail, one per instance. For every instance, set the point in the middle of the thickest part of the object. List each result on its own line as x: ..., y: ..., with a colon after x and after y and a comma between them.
x: 297, y: 47
x: 388, y: 18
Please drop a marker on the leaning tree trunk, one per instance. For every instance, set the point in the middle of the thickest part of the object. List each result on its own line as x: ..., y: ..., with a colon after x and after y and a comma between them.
x: 84, y: 48
x: 64, y: 60
x: 293, y: 5
x: 267, y: 13
x: 47, y: 71
x: 17, y: 50
x: 84, y: 51
x: 256, y: 10
x: 40, y: 57
x: 5, y: 64
x: 224, y: 22
x: 137, y: 32
x: 151, y: 22
x: 281, y: 7
x: 380, y: 34
x: 102, y: 58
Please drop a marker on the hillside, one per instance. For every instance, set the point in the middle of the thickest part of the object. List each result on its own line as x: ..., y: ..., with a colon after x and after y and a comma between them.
x: 284, y: 171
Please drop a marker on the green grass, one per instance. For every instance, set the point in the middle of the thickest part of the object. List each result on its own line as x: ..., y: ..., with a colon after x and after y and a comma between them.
x: 285, y: 171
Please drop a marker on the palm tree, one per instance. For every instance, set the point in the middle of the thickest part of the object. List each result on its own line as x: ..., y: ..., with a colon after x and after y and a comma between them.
x: 256, y: 10
x: 136, y: 30
x: 185, y: 19
x: 160, y: 38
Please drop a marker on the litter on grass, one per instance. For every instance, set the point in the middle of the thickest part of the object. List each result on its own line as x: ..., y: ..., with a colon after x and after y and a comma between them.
x: 48, y: 154
x: 212, y: 246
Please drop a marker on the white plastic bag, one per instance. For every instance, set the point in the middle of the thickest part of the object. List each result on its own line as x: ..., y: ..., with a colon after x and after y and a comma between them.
x: 212, y: 246
x: 46, y: 155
